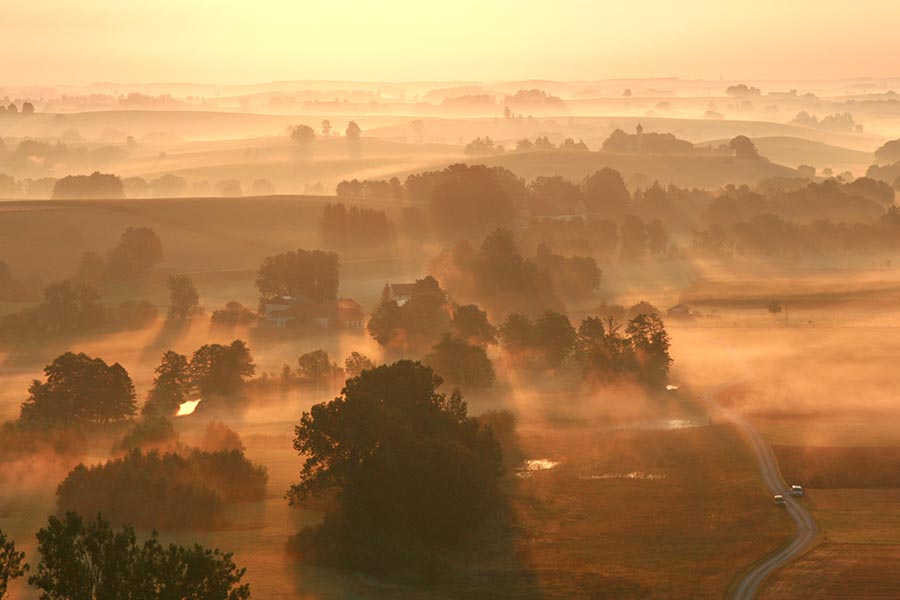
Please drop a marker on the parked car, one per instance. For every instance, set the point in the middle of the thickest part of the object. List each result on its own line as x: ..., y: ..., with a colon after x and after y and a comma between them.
x: 779, y: 500
x: 796, y: 490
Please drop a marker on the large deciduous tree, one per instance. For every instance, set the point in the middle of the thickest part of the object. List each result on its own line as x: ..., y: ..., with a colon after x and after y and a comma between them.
x: 314, y: 274
x: 184, y: 299
x: 461, y: 363
x: 139, y: 250
x: 471, y: 324
x: 79, y: 389
x: 402, y: 458
x: 469, y: 201
x: 220, y: 370
x: 650, y: 343
x: 605, y: 194
x: 171, y: 385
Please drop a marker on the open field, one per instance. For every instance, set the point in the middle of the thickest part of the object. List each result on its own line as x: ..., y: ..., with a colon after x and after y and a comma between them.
x: 835, y: 570
x: 824, y: 395
x: 860, y: 547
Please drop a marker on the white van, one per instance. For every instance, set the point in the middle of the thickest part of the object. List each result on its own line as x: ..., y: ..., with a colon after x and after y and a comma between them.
x: 796, y: 490
x: 779, y: 500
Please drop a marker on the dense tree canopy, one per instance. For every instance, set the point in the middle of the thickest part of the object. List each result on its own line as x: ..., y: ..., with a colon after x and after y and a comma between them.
x: 605, y: 352
x: 80, y: 389
x: 573, y: 277
x: 640, y: 352
x: 889, y: 152
x: 185, y: 489
x: 417, y: 322
x: 316, y: 367
x: 301, y: 273
x: 233, y: 314
x: 139, y: 250
x: 469, y: 200
x: 91, y: 560
x: 544, y: 343
x: 470, y: 323
x: 355, y: 228
x: 95, y: 185
x: 171, y: 385
x: 605, y: 194
x: 461, y: 364
x: 71, y: 308
x: 221, y: 370
x: 378, y: 447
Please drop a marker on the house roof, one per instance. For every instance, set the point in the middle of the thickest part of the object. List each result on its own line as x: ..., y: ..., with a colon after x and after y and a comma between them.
x: 679, y: 307
x: 402, y: 289
x: 350, y: 310
x: 345, y: 309
x: 286, y: 300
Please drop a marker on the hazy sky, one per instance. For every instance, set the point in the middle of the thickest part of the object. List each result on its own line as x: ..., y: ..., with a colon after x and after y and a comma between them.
x: 236, y: 41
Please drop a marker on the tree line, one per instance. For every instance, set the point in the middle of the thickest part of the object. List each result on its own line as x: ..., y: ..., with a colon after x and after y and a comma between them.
x: 88, y: 559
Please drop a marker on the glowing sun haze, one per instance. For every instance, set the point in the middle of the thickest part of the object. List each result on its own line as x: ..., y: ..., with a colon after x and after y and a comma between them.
x: 231, y: 41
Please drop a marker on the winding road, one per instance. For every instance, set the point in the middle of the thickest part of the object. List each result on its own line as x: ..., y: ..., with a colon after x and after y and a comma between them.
x: 749, y: 584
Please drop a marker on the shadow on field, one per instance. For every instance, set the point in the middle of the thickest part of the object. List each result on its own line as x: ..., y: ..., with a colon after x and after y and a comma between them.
x: 488, y: 564
x: 169, y: 333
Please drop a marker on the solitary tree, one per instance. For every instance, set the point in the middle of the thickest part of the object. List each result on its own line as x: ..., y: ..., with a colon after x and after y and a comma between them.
x: 743, y: 147
x: 138, y: 251
x: 184, y: 300
x: 378, y: 446
x: 303, y: 135
x: 353, y: 131
x: 326, y: 127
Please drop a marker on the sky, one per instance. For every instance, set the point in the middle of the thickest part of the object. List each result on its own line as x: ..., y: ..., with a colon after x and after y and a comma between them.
x: 75, y: 42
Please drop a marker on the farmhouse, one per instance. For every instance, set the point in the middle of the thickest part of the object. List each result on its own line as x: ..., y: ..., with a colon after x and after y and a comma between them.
x: 399, y: 292
x: 680, y: 311
x: 285, y: 312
